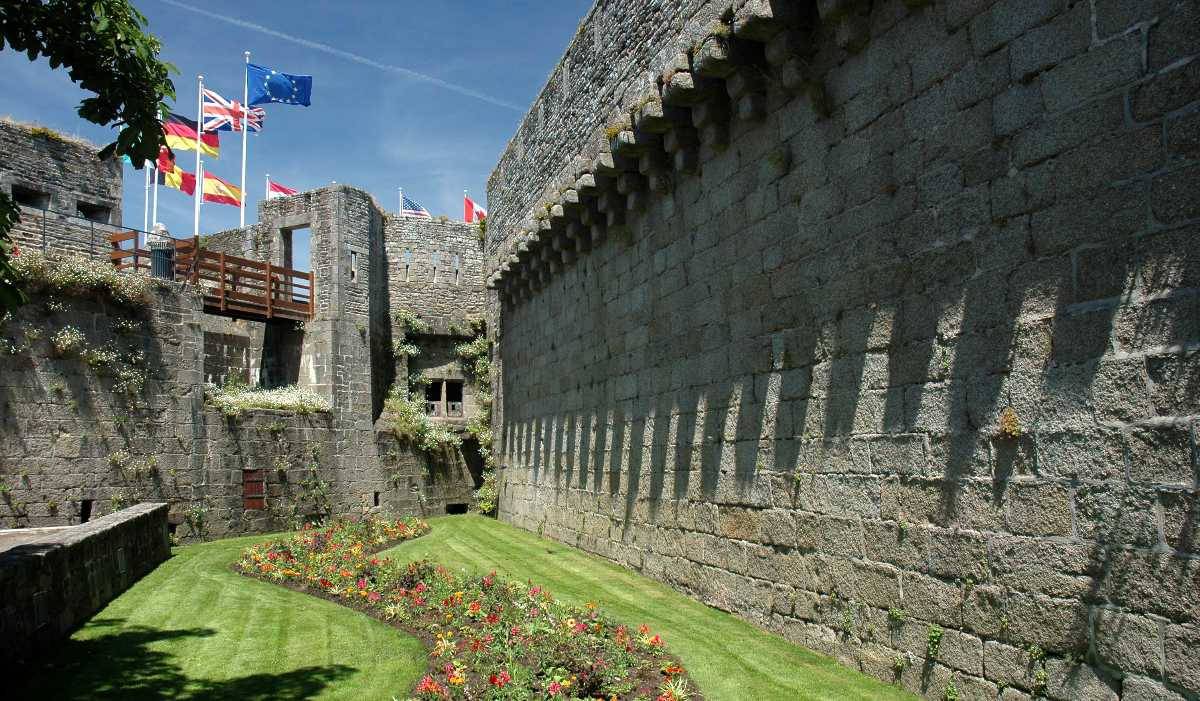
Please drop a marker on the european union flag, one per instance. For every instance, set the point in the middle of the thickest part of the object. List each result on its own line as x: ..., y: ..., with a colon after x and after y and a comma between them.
x: 268, y: 85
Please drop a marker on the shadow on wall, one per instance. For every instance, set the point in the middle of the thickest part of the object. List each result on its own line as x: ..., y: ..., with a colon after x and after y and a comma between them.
x: 936, y: 342
x: 130, y: 665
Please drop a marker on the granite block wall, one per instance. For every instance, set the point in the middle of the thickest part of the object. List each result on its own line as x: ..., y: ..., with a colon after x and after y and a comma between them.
x: 78, y: 428
x: 866, y: 321
x: 434, y: 267
x: 70, y: 198
x: 52, y: 580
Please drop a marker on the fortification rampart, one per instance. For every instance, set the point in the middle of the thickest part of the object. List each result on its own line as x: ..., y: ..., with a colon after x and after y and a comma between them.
x: 875, y: 324
x: 119, y: 414
x: 69, y: 198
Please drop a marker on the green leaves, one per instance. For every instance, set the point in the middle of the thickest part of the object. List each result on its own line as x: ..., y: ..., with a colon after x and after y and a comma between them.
x: 105, y: 47
x: 11, y: 295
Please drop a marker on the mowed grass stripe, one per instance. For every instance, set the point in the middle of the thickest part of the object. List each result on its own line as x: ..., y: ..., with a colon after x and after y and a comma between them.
x: 728, y: 657
x: 193, y: 629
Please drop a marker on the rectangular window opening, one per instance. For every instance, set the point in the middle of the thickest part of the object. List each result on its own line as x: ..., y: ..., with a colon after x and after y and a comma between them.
x: 457, y: 270
x: 85, y: 510
x: 433, y: 398
x: 28, y: 197
x: 456, y: 508
x: 375, y: 501
x: 433, y: 257
x: 353, y: 266
x: 296, y: 253
x: 407, y: 263
x: 454, y: 398
x: 94, y: 212
x: 254, y: 489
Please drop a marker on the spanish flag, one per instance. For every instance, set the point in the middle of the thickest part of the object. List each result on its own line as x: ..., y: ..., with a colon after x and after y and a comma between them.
x: 218, y: 191
x: 181, y: 136
x: 172, y: 175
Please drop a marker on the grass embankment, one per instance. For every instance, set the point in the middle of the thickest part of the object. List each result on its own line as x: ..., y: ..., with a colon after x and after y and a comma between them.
x: 193, y: 629
x: 728, y: 658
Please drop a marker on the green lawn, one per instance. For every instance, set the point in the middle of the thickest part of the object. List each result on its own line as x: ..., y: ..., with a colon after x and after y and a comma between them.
x: 728, y: 658
x: 193, y: 629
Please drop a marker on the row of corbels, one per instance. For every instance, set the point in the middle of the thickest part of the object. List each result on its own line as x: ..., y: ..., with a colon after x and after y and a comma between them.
x: 722, y: 79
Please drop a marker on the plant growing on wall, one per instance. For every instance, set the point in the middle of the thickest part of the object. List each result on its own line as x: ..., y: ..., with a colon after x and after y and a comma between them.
x: 408, y: 325
x: 1010, y: 424
x: 476, y: 359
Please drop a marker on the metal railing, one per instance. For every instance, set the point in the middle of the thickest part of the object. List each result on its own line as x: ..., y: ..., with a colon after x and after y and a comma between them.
x: 52, y: 230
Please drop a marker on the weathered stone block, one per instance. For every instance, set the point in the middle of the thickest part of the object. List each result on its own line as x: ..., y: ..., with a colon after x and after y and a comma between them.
x: 1127, y: 642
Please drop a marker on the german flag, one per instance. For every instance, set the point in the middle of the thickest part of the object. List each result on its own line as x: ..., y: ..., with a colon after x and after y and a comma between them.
x: 172, y: 175
x: 218, y: 191
x: 181, y: 136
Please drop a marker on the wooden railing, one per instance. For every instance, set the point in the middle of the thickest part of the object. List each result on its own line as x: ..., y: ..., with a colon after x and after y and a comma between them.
x: 230, y: 285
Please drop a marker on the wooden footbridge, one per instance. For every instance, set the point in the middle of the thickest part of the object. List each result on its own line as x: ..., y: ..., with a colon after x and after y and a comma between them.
x: 231, y: 286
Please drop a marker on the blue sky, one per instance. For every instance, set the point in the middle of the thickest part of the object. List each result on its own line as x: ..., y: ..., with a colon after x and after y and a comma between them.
x: 372, y: 124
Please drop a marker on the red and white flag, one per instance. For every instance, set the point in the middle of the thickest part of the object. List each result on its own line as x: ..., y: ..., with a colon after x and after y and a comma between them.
x: 472, y: 212
x: 277, y: 190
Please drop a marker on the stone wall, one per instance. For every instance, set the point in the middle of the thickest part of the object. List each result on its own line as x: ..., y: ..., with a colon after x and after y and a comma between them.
x: 74, y: 197
x: 79, y: 429
x: 52, y: 580
x: 874, y: 324
x: 414, y: 246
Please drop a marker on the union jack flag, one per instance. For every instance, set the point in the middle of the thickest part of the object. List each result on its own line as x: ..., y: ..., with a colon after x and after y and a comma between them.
x: 222, y: 115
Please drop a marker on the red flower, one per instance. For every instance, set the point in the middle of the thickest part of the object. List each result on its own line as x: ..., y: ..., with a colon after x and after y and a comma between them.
x: 362, y: 583
x: 374, y: 596
x: 499, y: 680
x: 555, y: 689
x: 492, y: 619
x: 326, y: 583
x: 429, y: 686
x: 474, y: 607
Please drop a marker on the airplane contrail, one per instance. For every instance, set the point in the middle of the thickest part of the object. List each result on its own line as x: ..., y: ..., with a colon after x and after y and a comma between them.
x: 333, y: 51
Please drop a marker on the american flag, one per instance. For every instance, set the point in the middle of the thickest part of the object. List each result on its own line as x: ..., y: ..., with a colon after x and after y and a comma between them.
x: 412, y: 209
x: 222, y: 115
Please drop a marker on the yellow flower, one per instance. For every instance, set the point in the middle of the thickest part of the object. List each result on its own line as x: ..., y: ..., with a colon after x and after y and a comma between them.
x: 591, y: 605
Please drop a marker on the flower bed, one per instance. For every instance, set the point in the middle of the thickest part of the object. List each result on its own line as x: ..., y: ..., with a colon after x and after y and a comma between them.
x: 488, y: 638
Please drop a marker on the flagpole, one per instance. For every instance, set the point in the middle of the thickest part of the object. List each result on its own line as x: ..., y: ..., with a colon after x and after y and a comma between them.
x: 146, y: 204
x: 267, y: 192
x: 154, y: 207
x: 401, y: 201
x: 245, y: 109
x: 468, y: 218
x: 199, y: 174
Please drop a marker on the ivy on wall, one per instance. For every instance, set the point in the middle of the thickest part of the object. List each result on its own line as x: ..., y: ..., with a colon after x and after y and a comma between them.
x: 476, y: 359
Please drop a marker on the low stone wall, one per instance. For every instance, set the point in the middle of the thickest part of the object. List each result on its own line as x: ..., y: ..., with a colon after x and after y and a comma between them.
x: 52, y: 580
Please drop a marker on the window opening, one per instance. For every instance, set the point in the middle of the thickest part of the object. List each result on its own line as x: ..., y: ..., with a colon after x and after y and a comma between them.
x: 296, y: 253
x: 434, y: 257
x: 85, y: 510
x: 454, y: 398
x: 376, y: 499
x: 457, y: 269
x: 353, y: 266
x: 28, y: 197
x: 433, y: 398
x: 407, y: 263
x: 456, y: 508
x: 93, y: 212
